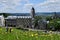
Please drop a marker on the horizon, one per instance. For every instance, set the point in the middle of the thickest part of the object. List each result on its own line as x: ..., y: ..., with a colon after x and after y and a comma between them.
x: 38, y: 12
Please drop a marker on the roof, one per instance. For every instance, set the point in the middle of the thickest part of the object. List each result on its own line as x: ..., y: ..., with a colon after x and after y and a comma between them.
x: 14, y: 17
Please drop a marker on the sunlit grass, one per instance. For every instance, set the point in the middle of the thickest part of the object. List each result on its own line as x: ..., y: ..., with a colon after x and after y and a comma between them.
x: 17, y: 34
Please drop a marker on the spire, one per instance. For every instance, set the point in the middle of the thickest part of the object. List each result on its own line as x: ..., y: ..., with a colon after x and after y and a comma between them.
x: 32, y: 12
x: 33, y: 8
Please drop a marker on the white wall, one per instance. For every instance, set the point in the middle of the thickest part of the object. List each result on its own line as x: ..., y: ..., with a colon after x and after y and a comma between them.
x: 1, y: 20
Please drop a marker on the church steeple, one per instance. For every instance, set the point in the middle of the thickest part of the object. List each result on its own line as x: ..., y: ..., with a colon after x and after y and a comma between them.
x: 33, y: 15
x: 33, y: 12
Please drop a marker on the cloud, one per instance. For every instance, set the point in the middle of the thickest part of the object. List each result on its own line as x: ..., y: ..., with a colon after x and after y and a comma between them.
x: 49, y: 6
x: 11, y: 5
x: 15, y: 6
x: 8, y: 5
x: 25, y: 6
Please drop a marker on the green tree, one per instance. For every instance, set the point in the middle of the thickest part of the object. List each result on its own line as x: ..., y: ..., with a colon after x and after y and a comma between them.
x: 48, y: 18
x: 55, y: 24
x: 5, y: 14
x: 37, y: 18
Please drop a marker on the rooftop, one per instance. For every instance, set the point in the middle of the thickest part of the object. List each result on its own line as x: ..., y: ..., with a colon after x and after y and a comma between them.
x: 14, y: 17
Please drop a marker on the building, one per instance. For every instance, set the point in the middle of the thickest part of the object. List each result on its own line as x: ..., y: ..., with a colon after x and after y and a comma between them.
x: 32, y: 15
x: 21, y: 21
x: 42, y: 24
x: 18, y: 21
x: 10, y: 21
x: 24, y: 21
x: 1, y: 20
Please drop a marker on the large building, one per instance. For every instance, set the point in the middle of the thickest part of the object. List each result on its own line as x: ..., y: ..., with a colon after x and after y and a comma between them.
x: 25, y: 21
x: 21, y: 21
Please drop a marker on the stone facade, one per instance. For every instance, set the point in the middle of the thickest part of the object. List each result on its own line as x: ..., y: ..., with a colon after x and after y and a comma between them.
x: 24, y: 22
x: 19, y: 21
x: 10, y: 22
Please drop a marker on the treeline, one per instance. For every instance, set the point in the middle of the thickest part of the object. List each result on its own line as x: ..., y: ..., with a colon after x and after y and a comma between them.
x: 5, y: 14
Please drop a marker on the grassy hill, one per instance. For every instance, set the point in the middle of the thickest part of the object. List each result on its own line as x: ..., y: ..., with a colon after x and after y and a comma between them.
x: 18, y: 34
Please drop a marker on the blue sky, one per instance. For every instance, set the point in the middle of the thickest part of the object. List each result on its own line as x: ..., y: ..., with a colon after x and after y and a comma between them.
x: 24, y: 6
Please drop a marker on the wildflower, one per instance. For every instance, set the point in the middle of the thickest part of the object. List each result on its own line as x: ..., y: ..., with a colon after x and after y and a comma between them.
x: 12, y: 30
x: 32, y: 35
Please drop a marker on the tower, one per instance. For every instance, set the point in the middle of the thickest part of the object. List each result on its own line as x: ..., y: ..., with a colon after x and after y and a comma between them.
x: 33, y: 15
x: 32, y: 12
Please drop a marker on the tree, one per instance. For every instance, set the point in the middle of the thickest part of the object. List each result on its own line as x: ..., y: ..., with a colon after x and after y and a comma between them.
x: 5, y: 14
x: 55, y: 24
x: 48, y: 18
x: 37, y: 18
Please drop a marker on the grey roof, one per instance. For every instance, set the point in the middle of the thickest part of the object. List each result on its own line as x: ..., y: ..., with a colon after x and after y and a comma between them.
x: 14, y: 17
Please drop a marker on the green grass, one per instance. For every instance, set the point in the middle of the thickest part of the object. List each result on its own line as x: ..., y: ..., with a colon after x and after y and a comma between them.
x: 17, y: 34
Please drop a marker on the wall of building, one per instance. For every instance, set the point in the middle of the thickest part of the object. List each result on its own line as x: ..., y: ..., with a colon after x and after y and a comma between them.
x: 2, y: 20
x: 24, y: 22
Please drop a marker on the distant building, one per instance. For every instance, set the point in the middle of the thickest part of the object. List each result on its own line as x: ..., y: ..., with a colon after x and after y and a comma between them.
x: 10, y: 21
x: 18, y: 21
x: 1, y: 20
x: 42, y: 24
x: 24, y: 21
x: 21, y: 21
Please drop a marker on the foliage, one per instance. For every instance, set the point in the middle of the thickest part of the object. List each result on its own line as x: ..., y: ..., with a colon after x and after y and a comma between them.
x: 48, y: 18
x: 37, y: 18
x: 55, y: 24
x: 5, y: 14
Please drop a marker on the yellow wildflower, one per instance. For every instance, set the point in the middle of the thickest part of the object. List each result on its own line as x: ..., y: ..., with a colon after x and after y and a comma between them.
x: 12, y: 30
x: 32, y: 35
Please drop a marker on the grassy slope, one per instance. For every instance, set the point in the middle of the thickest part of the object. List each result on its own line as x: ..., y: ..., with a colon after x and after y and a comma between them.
x: 26, y: 35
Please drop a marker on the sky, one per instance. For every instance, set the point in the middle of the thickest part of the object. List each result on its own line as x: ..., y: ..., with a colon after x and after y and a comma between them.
x: 24, y: 6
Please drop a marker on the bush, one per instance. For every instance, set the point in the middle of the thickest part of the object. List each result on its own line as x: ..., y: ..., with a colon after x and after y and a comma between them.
x: 55, y: 25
